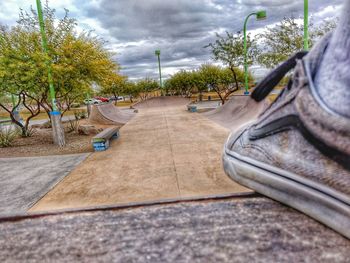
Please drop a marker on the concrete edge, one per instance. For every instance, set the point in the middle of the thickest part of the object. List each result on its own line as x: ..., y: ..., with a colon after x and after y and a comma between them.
x: 18, y: 217
x: 44, y: 156
x: 82, y: 157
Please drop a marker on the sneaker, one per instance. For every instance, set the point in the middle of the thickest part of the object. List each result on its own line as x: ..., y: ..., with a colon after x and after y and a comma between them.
x: 298, y: 151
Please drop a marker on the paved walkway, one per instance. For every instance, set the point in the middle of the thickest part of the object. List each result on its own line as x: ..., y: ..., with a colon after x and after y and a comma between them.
x: 163, y: 153
x: 23, y: 181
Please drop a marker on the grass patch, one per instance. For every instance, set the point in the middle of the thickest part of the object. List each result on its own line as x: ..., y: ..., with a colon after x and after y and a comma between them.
x: 124, y: 103
x: 41, y: 116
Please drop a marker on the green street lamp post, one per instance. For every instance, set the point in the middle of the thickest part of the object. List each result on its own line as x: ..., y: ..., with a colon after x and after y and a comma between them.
x: 306, y: 24
x: 260, y: 15
x: 45, y: 49
x: 157, y: 53
x: 58, y: 132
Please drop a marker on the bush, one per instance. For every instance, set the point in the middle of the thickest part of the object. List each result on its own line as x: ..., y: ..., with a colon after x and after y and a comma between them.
x: 80, y: 115
x: 72, y: 126
x: 29, y: 132
x: 7, y: 136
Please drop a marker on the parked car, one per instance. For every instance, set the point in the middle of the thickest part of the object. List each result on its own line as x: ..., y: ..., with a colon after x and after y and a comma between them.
x: 91, y: 101
x: 102, y: 99
x: 113, y: 98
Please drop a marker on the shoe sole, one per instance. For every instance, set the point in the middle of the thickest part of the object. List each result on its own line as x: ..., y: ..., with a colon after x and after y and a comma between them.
x: 313, y: 199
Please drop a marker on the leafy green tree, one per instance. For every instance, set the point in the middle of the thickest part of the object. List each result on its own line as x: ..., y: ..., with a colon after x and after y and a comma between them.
x: 318, y: 31
x: 78, y: 61
x: 19, y: 69
x: 220, y: 80
x: 184, y: 83
x: 114, y: 84
x: 284, y: 39
x: 145, y: 87
x: 131, y: 90
x: 229, y: 50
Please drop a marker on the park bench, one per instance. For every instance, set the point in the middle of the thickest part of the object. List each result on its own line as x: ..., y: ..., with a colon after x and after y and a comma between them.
x: 192, y: 108
x: 100, y: 142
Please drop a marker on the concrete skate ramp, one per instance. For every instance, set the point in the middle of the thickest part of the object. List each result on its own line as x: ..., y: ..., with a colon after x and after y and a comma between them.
x: 108, y: 114
x: 237, y: 111
x: 166, y: 101
x: 163, y: 153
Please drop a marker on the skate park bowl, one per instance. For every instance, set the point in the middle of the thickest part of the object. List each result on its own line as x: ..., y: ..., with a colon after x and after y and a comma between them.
x: 236, y: 112
x: 163, y: 153
x: 163, y: 179
x: 108, y: 114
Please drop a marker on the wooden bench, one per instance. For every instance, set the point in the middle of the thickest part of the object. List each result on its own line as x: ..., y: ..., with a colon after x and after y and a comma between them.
x: 192, y: 108
x: 100, y: 142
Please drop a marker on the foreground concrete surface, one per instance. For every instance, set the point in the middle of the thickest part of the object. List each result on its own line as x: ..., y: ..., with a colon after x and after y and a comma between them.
x: 23, y: 181
x: 162, y: 153
x: 229, y: 230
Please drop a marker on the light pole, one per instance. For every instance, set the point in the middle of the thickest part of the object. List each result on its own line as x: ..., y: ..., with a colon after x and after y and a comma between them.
x: 260, y: 15
x: 58, y: 132
x: 306, y: 25
x: 157, y: 53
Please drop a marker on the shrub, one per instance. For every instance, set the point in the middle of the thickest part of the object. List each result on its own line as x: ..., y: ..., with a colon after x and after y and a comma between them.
x: 29, y: 132
x: 7, y: 136
x: 72, y: 126
x: 80, y: 115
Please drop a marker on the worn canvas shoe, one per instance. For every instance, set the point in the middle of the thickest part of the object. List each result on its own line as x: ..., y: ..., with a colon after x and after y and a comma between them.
x: 298, y: 151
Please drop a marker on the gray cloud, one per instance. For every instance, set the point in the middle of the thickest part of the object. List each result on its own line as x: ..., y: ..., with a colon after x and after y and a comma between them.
x: 180, y: 28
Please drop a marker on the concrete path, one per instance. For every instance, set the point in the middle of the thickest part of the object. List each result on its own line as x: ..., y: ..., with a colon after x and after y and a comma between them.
x: 23, y: 181
x: 163, y: 153
x: 230, y: 230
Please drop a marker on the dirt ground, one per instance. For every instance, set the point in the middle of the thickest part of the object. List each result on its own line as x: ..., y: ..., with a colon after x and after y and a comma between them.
x: 162, y: 153
x: 41, y: 144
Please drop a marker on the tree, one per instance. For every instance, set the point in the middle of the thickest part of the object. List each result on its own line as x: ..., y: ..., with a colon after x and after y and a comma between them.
x: 131, y: 90
x: 229, y: 50
x: 220, y: 80
x: 78, y: 61
x: 286, y: 38
x: 318, y: 31
x: 19, y: 68
x: 114, y: 84
x: 183, y: 83
x: 145, y: 87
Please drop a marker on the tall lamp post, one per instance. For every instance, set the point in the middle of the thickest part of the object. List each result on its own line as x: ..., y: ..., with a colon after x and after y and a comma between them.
x: 260, y: 15
x: 157, y: 53
x: 306, y: 25
x: 58, y: 132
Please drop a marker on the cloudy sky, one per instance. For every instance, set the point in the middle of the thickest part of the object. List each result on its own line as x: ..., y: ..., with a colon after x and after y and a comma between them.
x: 180, y: 28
